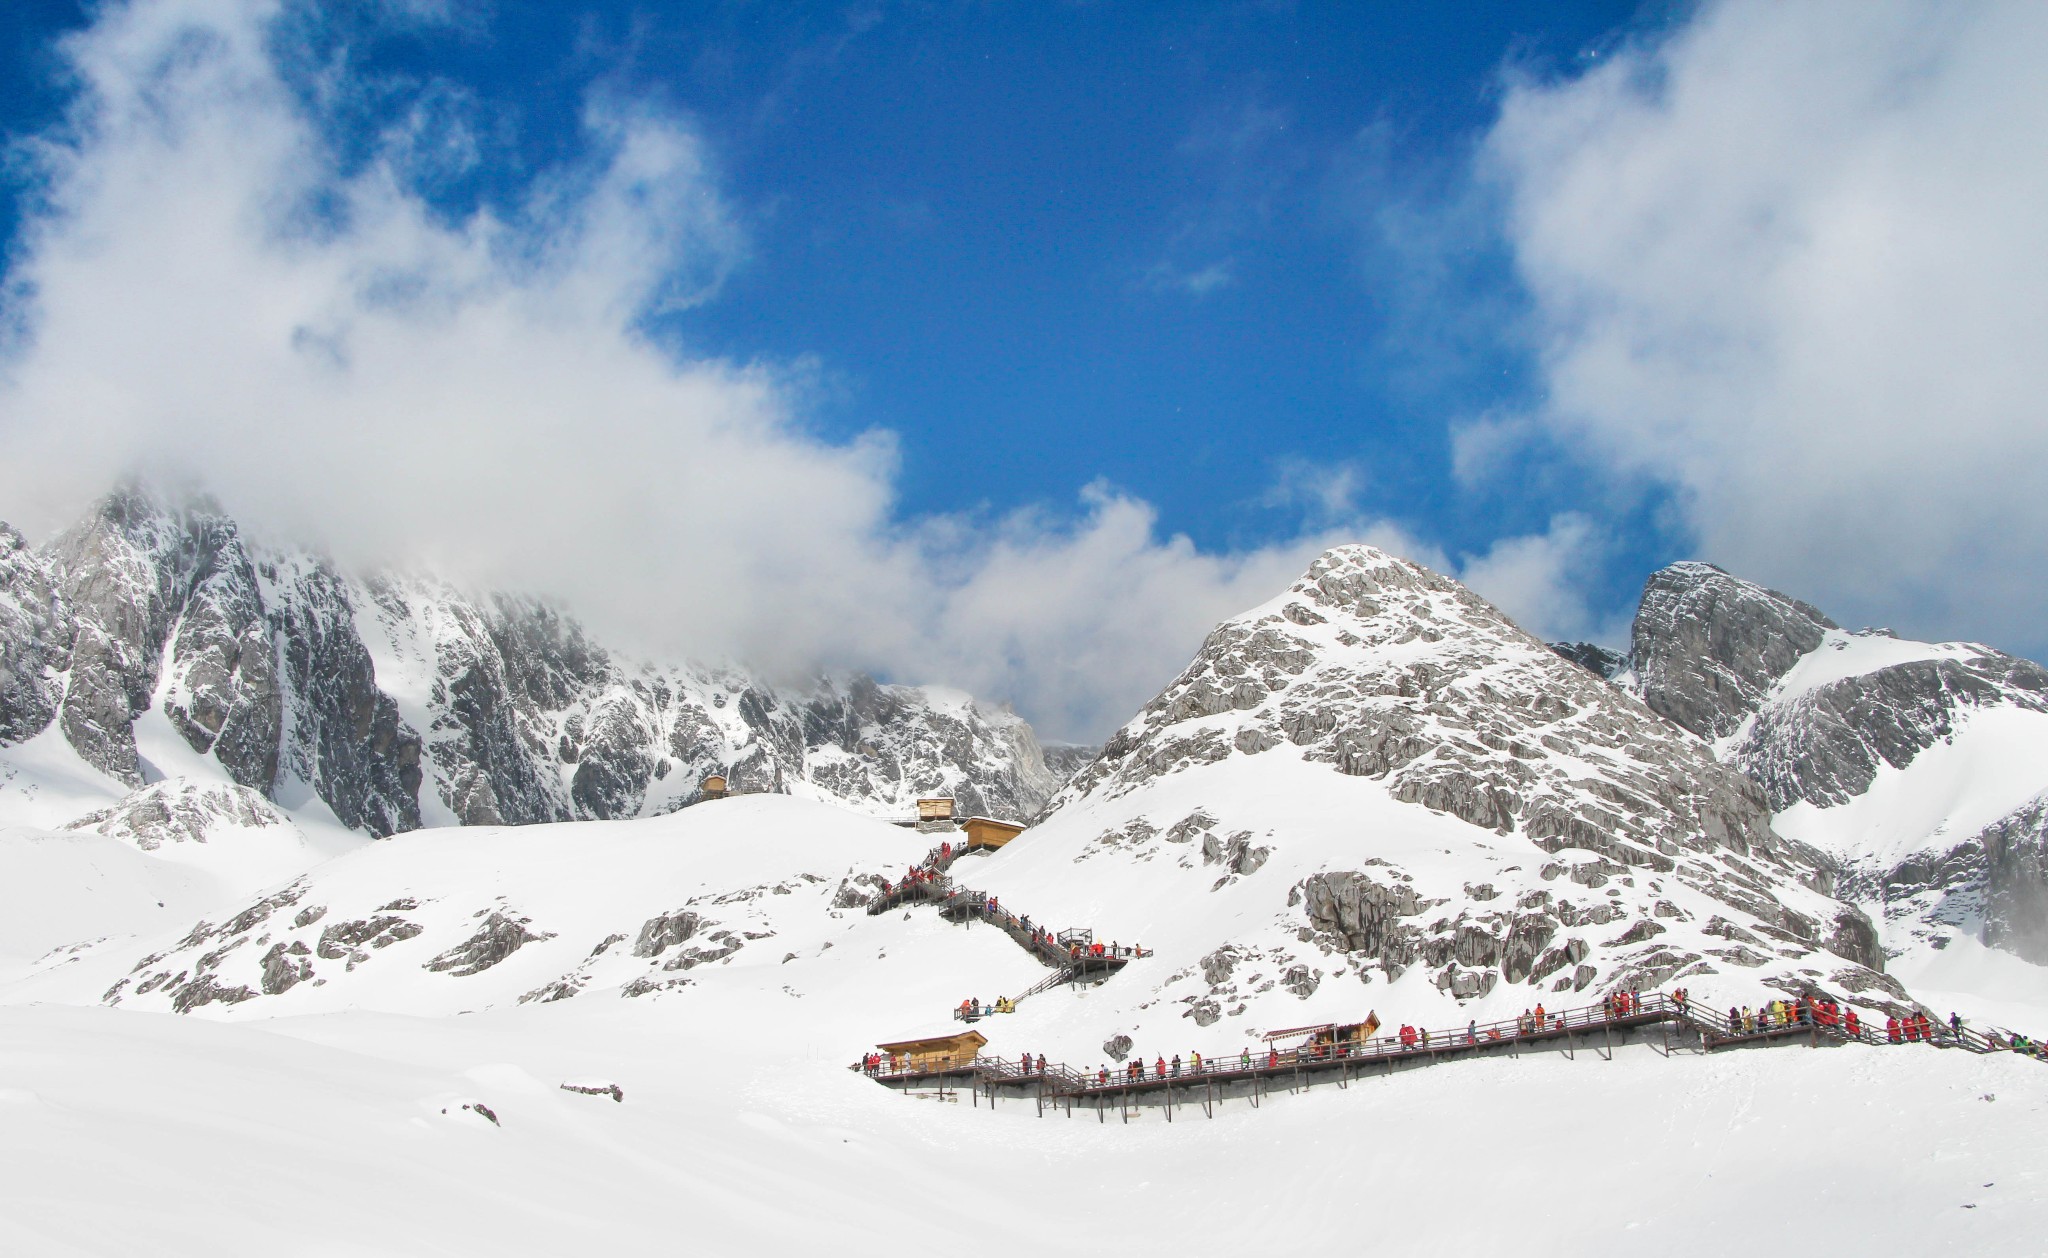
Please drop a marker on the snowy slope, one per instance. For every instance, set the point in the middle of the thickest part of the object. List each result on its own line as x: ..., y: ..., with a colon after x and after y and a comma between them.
x: 345, y: 1135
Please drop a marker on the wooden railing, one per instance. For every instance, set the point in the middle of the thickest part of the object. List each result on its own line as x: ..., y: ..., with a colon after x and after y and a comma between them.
x: 933, y: 886
x: 1568, y: 1024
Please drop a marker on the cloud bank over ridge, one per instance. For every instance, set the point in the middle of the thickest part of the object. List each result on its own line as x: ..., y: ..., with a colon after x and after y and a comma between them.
x: 1787, y: 260
x: 209, y: 291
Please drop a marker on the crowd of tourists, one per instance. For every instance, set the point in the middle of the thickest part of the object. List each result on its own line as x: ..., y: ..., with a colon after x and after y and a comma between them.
x: 1772, y: 1017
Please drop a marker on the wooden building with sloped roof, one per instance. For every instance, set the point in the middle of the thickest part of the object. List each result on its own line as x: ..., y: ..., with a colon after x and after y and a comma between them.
x: 988, y: 833
x: 936, y: 1052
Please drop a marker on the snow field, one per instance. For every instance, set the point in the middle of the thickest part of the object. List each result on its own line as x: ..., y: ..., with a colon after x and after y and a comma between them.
x: 326, y: 1135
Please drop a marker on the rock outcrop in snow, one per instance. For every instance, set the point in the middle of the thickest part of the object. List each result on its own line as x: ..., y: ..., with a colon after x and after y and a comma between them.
x: 398, y: 701
x: 180, y: 811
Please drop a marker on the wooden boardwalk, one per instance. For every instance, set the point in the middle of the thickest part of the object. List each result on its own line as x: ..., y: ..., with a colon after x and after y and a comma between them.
x: 1074, y: 956
x: 1660, y: 1021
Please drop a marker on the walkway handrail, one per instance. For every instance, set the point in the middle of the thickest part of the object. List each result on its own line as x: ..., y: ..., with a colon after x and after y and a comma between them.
x: 1648, y: 1010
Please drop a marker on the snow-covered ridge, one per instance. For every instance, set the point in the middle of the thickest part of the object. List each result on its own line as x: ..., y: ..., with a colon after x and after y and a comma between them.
x: 1918, y: 767
x: 159, y: 641
x: 1842, y: 655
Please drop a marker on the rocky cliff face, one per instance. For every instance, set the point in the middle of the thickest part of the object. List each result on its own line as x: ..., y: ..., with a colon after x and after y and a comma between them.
x: 1817, y: 716
x: 1600, y: 844
x: 398, y: 700
x: 528, y: 720
x: 1706, y: 647
x: 35, y: 641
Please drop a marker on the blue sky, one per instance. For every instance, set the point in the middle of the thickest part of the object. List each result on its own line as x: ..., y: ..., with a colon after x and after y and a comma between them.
x: 1269, y: 273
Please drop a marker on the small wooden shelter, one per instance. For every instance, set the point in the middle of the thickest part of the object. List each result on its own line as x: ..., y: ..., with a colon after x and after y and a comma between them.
x: 934, y: 810
x: 987, y: 832
x: 1328, y: 1035
x: 935, y: 1052
x: 713, y: 786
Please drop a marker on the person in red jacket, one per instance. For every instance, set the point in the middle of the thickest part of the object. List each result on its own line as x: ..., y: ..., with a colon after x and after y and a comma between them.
x: 1159, y: 1068
x: 1852, y: 1025
x: 1891, y: 1029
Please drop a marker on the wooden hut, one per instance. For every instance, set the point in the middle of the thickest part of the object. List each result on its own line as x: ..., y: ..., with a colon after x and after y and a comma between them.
x: 936, y: 1052
x: 1324, y: 1038
x: 987, y: 832
x: 934, y: 810
x: 713, y: 787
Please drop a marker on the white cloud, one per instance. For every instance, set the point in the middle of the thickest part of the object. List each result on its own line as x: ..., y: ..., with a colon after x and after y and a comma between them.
x: 210, y: 293
x: 1789, y: 260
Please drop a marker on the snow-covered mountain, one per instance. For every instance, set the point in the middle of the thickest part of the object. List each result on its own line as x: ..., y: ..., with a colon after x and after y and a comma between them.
x: 1373, y: 792
x: 1920, y: 768
x: 1374, y: 779
x: 153, y: 639
x: 1378, y: 778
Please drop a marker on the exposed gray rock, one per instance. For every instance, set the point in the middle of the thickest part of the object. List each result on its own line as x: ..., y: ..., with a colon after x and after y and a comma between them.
x: 207, y: 990
x: 180, y: 811
x: 222, y: 693
x: 121, y: 573
x: 341, y: 940
x: 1706, y: 647
x: 658, y: 934
x: 284, y: 967
x: 1364, y: 916
x: 611, y: 1090
x: 498, y: 938
x: 35, y: 641
x: 345, y: 738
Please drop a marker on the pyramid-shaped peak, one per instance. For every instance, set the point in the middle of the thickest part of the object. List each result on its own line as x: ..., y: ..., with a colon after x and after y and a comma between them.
x: 1707, y: 645
x: 1380, y: 668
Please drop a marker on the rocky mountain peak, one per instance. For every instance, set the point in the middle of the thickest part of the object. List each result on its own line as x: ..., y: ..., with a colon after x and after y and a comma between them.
x: 400, y: 699
x: 1442, y: 789
x: 1381, y: 668
x: 1706, y: 646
